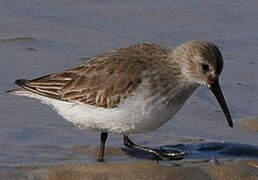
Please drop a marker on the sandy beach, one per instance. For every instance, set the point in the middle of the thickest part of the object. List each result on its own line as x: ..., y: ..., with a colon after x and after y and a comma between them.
x: 139, y: 169
x: 42, y: 37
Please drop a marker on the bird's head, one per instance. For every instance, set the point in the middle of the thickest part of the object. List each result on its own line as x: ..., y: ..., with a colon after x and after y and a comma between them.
x: 201, y: 63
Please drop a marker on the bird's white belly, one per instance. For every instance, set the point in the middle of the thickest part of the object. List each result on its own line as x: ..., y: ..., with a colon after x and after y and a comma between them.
x: 134, y: 115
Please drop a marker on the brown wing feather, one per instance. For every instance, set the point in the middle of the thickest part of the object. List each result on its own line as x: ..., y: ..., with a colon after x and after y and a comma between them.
x: 103, y: 81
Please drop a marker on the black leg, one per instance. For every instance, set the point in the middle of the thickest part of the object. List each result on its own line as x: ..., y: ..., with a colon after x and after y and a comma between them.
x: 103, y: 138
x: 160, y: 155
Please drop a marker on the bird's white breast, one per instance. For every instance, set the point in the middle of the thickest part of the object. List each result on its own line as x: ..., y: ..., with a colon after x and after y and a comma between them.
x: 136, y: 114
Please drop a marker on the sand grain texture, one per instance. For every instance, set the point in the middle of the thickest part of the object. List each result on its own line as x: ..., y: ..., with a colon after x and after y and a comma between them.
x: 136, y: 170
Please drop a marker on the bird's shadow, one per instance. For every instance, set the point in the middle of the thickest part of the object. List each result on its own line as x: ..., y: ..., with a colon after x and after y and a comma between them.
x: 204, y: 150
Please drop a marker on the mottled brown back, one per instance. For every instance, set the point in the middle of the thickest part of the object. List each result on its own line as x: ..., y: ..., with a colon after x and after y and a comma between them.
x: 105, y: 80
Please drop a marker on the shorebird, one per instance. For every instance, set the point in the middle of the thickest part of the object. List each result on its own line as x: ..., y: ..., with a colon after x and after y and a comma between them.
x: 130, y: 90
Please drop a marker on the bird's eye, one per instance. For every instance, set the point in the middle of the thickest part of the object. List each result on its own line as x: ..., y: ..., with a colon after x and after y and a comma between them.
x: 205, y: 67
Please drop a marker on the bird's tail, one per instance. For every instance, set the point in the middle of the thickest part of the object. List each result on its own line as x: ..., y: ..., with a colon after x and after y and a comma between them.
x: 19, y: 91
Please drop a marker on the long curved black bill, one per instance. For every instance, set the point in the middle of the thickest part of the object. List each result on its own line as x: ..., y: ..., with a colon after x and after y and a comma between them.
x: 215, y: 88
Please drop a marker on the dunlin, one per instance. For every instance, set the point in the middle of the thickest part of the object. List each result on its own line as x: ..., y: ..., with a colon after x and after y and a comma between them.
x: 131, y: 90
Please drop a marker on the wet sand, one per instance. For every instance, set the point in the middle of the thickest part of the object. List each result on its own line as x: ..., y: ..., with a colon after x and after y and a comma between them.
x: 249, y: 123
x: 145, y: 167
x: 139, y: 169
x: 41, y: 37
